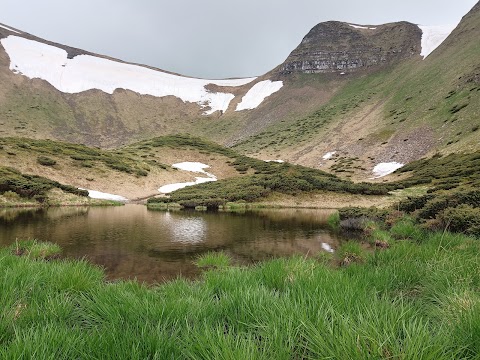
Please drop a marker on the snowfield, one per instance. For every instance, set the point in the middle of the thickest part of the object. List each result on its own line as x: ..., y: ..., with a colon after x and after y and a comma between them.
x: 384, y: 169
x: 258, y: 93
x: 104, y: 196
x: 84, y: 72
x: 6, y: 27
x: 196, y: 167
x: 434, y: 36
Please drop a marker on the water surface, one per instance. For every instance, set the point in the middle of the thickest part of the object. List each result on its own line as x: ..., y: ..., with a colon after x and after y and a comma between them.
x: 153, y: 246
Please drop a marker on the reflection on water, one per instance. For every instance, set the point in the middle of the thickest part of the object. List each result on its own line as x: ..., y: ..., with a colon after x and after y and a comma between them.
x: 189, y: 230
x: 153, y: 246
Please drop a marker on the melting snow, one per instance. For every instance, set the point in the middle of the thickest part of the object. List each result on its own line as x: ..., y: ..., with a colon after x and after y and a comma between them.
x: 104, y: 196
x: 433, y: 36
x: 84, y: 72
x: 258, y: 93
x: 9, y: 29
x: 192, y: 167
x: 384, y: 169
x: 327, y: 247
x: 329, y: 155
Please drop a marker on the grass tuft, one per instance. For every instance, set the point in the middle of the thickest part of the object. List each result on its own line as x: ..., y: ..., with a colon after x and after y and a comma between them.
x: 214, y: 259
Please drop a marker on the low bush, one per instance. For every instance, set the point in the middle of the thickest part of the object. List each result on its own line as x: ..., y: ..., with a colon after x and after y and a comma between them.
x: 463, y: 218
x: 46, y: 161
x: 31, y: 186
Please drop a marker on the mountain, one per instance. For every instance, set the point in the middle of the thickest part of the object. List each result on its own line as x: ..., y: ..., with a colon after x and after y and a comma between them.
x: 419, y: 102
x: 348, y: 98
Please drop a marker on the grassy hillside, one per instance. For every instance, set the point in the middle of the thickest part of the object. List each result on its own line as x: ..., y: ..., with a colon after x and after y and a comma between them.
x: 134, y: 171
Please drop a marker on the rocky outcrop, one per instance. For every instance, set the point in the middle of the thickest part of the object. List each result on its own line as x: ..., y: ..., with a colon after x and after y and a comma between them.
x: 336, y: 46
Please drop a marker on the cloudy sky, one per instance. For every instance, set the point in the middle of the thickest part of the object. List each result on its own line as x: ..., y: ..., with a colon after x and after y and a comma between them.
x: 208, y: 38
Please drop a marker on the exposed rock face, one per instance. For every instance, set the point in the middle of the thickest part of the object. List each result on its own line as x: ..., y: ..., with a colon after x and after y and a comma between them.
x: 336, y: 46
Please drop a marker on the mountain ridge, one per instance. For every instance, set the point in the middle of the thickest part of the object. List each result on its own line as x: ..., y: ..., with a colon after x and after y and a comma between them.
x: 296, y: 121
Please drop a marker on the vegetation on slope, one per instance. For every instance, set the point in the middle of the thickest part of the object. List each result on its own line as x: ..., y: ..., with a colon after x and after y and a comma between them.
x: 288, y: 179
x: 32, y: 186
x: 376, y: 111
x: 417, y: 299
x: 82, y: 156
x: 453, y: 200
x: 292, y: 132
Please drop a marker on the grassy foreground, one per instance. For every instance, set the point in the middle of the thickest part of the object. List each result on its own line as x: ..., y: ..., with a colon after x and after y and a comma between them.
x: 418, y: 299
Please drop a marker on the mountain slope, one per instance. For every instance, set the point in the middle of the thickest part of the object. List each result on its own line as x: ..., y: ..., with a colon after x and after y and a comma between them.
x: 82, y: 97
x: 399, y: 113
x: 363, y: 92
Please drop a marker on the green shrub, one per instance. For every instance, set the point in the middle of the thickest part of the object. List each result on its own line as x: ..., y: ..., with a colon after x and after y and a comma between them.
x: 31, y: 186
x: 413, y: 203
x: 372, y: 213
x: 46, y: 161
x: 464, y: 218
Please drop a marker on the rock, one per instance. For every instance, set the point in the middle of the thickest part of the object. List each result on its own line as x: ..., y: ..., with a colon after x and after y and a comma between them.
x: 336, y: 46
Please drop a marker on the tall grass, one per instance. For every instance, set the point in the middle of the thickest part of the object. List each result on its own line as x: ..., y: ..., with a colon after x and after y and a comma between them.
x: 418, y: 299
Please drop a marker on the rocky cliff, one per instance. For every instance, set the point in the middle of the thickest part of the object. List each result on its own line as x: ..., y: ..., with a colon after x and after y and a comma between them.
x: 336, y: 46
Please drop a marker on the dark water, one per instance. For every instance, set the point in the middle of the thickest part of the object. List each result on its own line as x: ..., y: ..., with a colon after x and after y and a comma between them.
x: 154, y: 246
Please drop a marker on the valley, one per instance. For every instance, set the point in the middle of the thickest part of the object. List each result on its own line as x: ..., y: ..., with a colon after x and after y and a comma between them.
x: 329, y: 208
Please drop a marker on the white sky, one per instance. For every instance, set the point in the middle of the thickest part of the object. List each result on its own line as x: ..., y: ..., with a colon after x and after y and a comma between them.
x: 208, y: 38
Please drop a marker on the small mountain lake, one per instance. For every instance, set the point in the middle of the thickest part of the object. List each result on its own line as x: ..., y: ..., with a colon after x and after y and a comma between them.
x: 154, y: 246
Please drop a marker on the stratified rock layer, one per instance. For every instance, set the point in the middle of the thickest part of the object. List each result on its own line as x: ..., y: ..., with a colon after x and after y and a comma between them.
x: 336, y: 46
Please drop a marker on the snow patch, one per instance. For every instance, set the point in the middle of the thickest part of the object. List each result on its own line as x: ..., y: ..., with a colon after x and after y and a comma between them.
x: 196, y: 167
x: 384, y: 169
x: 362, y: 27
x: 328, y: 155
x: 327, y: 247
x: 191, y: 166
x: 9, y: 29
x: 433, y: 36
x: 85, y: 72
x: 258, y: 93
x: 104, y: 196
x: 277, y: 161
x: 166, y: 189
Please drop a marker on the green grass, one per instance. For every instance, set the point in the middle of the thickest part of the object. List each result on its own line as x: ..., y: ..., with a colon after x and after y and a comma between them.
x: 34, y: 249
x: 416, y: 300
x: 213, y: 259
x: 333, y: 221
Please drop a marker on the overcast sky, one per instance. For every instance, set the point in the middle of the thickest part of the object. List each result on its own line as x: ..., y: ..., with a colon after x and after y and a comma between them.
x: 208, y: 38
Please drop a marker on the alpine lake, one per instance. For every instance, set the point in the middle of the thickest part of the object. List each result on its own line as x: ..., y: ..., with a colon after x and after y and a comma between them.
x: 133, y: 242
